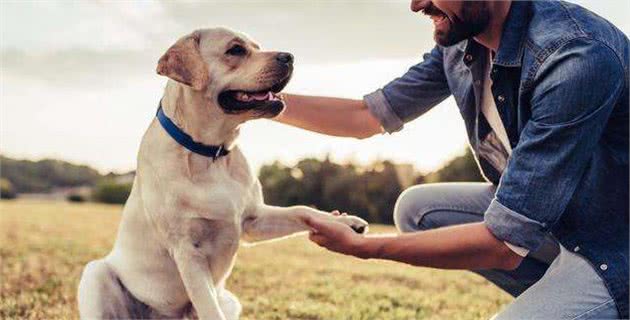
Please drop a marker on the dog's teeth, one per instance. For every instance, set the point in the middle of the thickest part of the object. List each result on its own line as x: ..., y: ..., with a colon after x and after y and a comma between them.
x: 270, y: 96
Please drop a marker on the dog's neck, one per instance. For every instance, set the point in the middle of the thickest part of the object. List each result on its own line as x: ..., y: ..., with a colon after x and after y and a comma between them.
x: 197, y: 116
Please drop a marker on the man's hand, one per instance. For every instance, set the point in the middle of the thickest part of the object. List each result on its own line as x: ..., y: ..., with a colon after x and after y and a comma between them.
x: 336, y: 236
x: 467, y: 246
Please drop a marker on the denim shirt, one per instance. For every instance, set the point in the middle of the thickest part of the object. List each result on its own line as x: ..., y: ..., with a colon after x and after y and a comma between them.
x: 560, y: 83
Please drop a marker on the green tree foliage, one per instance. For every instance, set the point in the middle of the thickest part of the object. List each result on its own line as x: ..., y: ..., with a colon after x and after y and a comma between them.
x: 111, y: 192
x: 43, y: 175
x: 370, y: 192
x: 367, y: 192
x: 463, y: 168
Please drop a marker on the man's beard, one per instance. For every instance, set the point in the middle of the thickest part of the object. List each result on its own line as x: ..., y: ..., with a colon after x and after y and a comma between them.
x: 474, y: 20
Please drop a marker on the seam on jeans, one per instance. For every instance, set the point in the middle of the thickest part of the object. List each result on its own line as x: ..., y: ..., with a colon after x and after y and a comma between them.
x: 586, y: 313
x: 601, y: 278
x: 433, y: 209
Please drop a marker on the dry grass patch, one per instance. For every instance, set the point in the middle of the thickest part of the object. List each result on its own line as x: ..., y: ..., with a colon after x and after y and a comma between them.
x: 44, y: 246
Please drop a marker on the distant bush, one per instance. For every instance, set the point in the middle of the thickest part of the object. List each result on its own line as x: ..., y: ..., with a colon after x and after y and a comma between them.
x: 111, y: 192
x: 44, y: 175
x: 6, y: 190
x: 75, y: 198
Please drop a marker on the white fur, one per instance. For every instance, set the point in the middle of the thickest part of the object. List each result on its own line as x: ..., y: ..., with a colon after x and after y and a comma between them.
x: 182, y: 223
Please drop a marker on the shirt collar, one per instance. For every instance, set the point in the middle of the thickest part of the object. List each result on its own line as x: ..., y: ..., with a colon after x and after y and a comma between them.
x: 510, y: 53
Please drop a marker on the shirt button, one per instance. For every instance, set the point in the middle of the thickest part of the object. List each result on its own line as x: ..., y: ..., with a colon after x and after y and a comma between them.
x: 576, y: 249
x: 468, y: 57
x: 604, y: 267
x: 501, y: 98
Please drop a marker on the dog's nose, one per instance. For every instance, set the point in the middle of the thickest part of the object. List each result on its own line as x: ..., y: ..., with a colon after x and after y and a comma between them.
x: 284, y: 57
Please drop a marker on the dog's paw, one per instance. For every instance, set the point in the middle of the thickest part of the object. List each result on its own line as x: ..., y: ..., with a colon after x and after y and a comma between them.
x: 357, y: 224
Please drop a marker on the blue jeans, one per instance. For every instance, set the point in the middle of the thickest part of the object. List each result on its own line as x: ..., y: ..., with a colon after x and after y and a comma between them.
x: 551, y: 283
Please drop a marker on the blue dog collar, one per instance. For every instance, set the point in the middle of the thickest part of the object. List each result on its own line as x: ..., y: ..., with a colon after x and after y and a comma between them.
x: 187, y: 141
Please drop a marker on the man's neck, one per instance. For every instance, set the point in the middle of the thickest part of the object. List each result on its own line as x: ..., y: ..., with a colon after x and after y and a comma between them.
x: 491, y: 37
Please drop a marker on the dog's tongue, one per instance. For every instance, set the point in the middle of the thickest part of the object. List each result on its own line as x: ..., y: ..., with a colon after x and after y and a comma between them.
x: 262, y: 96
x: 247, y: 97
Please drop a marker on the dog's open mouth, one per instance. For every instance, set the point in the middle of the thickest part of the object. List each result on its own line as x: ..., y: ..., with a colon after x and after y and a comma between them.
x: 257, y: 96
x: 264, y: 103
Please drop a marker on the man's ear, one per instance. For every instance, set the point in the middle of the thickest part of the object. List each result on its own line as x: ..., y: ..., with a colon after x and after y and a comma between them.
x: 183, y: 63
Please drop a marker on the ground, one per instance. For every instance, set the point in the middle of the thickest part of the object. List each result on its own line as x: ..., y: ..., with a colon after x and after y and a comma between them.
x: 44, y: 246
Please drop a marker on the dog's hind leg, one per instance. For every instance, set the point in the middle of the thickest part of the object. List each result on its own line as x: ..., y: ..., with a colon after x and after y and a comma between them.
x: 102, y: 296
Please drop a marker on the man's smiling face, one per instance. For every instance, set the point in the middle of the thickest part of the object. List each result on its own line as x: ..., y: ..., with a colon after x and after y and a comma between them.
x: 454, y: 21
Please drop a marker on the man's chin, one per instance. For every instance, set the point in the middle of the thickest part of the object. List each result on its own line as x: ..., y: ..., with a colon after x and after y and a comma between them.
x: 448, y: 38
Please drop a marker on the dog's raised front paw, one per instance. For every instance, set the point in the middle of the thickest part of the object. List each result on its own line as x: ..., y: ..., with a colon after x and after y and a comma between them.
x: 357, y: 224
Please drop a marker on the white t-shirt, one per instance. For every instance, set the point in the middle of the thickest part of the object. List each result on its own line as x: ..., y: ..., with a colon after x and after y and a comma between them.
x: 490, y: 112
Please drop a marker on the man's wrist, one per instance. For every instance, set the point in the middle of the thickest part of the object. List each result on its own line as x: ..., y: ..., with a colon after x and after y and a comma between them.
x: 367, y: 247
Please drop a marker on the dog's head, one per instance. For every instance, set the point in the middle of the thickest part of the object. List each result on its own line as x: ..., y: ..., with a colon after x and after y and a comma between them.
x: 230, y: 69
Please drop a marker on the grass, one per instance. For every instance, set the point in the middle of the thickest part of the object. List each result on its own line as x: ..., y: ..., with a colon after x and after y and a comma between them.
x: 44, y: 246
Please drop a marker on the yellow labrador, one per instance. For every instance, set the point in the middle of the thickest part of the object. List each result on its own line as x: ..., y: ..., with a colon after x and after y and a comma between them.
x: 188, y: 210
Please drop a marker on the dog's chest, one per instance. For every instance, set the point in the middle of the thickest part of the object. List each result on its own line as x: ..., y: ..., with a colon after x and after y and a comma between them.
x: 229, y: 191
x: 218, y: 241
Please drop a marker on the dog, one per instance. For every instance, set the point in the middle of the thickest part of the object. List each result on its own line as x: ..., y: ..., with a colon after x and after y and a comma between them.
x: 194, y: 196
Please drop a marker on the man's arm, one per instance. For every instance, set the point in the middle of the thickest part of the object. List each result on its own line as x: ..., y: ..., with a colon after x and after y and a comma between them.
x: 331, y: 116
x: 422, y: 87
x: 576, y: 91
x: 467, y: 246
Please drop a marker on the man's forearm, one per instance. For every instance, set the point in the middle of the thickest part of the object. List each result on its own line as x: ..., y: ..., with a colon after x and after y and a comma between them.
x: 331, y: 116
x: 469, y: 246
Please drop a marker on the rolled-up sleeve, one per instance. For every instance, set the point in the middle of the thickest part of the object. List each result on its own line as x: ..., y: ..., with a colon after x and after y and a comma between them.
x: 575, y: 93
x: 422, y: 87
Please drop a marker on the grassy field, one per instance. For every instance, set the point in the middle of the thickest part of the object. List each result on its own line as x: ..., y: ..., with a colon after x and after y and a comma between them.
x: 44, y: 245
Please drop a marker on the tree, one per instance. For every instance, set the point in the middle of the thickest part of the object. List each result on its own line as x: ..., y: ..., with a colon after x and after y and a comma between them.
x: 367, y: 192
x: 43, y: 175
x: 463, y: 168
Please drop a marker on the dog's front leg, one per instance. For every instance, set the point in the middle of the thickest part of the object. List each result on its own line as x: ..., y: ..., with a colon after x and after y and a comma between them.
x: 270, y: 222
x: 195, y: 273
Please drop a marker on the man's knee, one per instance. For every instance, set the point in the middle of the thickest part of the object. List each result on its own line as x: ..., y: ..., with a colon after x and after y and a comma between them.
x: 410, y: 207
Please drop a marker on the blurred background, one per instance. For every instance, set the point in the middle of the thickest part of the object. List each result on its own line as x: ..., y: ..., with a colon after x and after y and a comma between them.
x: 78, y: 89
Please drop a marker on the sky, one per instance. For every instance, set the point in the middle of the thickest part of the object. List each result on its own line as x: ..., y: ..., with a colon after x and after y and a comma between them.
x: 78, y: 81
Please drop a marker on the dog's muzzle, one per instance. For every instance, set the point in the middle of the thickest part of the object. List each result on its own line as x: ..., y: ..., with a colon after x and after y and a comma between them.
x: 265, y: 102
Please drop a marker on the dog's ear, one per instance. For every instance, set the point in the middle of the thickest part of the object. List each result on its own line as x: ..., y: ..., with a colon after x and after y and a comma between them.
x: 183, y: 63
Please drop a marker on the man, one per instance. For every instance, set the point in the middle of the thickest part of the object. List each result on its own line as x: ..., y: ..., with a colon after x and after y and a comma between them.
x: 543, y: 90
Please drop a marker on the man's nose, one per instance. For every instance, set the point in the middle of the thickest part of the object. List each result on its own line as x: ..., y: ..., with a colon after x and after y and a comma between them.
x: 284, y: 58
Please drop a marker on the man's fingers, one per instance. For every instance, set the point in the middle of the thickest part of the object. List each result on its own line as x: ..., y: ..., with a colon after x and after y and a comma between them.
x: 317, y: 238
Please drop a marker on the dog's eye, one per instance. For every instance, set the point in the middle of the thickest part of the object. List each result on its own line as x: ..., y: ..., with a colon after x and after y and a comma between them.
x: 236, y: 50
